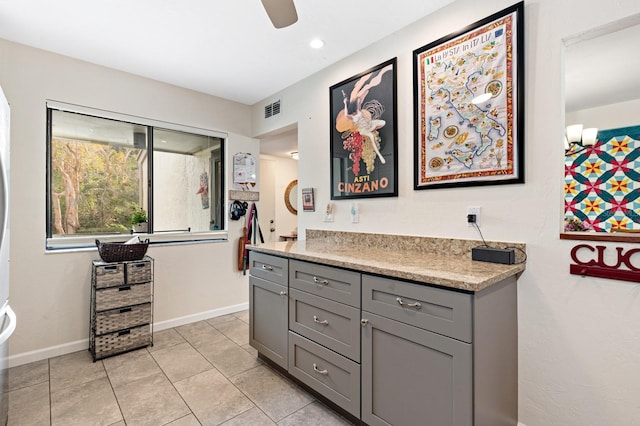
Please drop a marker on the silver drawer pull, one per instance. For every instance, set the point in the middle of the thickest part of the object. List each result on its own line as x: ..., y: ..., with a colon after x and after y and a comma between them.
x: 364, y: 322
x: 320, y: 281
x: 267, y: 267
x: 416, y: 305
x: 283, y: 293
x: 323, y: 372
x: 317, y: 321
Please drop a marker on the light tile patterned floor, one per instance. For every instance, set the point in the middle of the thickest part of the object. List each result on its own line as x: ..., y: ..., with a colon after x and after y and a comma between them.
x: 203, y: 373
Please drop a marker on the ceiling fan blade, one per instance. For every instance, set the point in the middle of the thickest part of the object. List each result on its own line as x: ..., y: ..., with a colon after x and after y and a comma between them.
x: 281, y: 12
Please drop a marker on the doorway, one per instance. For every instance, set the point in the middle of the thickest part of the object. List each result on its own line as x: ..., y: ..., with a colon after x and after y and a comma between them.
x: 278, y: 169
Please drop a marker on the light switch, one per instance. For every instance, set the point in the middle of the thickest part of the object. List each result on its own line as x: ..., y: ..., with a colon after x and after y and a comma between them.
x: 355, y: 214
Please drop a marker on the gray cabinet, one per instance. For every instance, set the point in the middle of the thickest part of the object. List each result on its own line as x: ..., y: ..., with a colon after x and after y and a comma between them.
x: 438, y: 357
x: 121, y: 317
x: 388, y: 351
x: 324, y: 324
x: 268, y: 307
x: 411, y: 376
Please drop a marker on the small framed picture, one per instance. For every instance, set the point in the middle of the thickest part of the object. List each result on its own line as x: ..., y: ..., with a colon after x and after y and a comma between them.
x: 308, y: 202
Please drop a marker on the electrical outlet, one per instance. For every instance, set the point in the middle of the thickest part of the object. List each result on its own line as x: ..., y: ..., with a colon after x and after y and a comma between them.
x: 475, y: 211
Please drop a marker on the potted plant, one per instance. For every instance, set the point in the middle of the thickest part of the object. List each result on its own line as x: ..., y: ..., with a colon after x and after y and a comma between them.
x: 139, y: 221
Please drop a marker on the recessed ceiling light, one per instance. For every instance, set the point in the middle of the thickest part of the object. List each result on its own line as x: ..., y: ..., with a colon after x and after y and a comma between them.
x: 316, y: 43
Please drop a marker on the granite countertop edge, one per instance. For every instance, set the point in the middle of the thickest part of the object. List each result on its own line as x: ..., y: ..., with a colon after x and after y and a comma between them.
x: 452, y: 271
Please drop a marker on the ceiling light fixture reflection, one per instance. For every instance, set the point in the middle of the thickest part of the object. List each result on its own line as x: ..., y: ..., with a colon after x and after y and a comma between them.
x: 577, y: 138
x: 316, y: 43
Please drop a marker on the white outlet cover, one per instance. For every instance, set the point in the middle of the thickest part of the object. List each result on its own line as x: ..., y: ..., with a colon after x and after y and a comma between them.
x: 476, y: 211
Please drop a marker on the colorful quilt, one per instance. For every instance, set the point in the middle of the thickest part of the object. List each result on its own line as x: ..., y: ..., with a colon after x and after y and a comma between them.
x: 602, y: 183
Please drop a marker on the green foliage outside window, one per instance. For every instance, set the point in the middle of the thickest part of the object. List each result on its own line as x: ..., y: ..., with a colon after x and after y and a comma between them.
x: 95, y: 187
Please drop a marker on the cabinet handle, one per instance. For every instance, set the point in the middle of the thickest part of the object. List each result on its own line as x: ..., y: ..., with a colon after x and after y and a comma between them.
x: 364, y: 322
x: 416, y: 305
x: 283, y: 293
x: 126, y: 288
x: 267, y: 267
x: 125, y: 310
x: 320, y: 281
x: 317, y: 321
x: 124, y: 332
x: 323, y: 372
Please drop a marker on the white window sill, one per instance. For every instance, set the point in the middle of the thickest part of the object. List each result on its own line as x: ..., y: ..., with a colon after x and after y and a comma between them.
x: 85, y: 243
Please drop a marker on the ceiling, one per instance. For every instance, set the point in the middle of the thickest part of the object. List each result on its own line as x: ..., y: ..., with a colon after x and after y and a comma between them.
x: 226, y: 48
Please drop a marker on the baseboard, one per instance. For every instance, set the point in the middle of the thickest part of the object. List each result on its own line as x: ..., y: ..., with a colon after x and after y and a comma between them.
x: 163, y: 325
x: 79, y: 345
x: 50, y: 352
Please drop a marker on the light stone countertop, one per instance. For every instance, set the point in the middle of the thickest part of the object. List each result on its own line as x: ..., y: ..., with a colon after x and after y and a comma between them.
x: 407, y: 258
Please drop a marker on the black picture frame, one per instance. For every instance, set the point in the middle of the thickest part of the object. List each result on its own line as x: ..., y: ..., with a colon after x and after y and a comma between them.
x: 362, y: 108
x: 457, y: 142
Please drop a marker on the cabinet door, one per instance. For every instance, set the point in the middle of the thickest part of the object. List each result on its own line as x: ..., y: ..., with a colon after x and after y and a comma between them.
x: 268, y: 326
x: 412, y: 376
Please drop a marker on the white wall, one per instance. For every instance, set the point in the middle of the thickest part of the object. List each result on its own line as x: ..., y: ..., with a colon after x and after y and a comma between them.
x: 50, y: 291
x: 274, y: 182
x: 175, y: 195
x: 578, y: 337
x: 613, y: 116
x: 286, y: 172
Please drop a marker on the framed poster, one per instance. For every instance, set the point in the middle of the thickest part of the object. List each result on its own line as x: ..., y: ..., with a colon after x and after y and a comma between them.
x: 469, y: 105
x: 363, y: 121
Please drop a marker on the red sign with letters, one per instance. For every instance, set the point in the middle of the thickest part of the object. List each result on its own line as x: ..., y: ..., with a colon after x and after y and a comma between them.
x: 590, y: 261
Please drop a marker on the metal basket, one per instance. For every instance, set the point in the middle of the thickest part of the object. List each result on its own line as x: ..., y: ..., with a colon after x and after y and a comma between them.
x: 120, y: 252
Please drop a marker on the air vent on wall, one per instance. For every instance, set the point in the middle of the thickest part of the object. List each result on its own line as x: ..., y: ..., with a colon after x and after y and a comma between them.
x: 272, y: 109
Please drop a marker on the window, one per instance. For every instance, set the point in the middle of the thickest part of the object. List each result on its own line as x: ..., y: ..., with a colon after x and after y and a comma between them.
x: 101, y: 169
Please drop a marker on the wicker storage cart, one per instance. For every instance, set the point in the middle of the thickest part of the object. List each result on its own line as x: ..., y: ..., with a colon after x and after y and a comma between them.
x: 121, y: 307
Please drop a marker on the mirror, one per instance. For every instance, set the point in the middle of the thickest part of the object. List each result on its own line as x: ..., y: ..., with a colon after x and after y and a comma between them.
x: 291, y: 197
x: 601, y: 185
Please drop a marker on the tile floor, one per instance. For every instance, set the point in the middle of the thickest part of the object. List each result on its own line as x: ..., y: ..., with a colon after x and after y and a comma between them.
x: 203, y: 373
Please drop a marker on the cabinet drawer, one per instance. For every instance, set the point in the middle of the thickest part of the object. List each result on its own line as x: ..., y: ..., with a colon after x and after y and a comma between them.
x: 109, y: 274
x: 441, y: 311
x: 329, y: 323
x: 138, y: 272
x: 121, y: 341
x: 326, y: 281
x: 333, y: 376
x: 118, y: 297
x: 270, y: 268
x: 122, y: 318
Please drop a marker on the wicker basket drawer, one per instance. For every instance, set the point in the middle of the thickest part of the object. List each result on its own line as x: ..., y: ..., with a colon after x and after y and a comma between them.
x: 118, y: 297
x: 121, y: 318
x: 121, y: 341
x: 109, y: 274
x: 138, y: 272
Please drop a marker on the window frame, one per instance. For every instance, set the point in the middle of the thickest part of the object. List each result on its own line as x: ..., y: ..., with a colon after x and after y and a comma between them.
x: 83, y: 242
